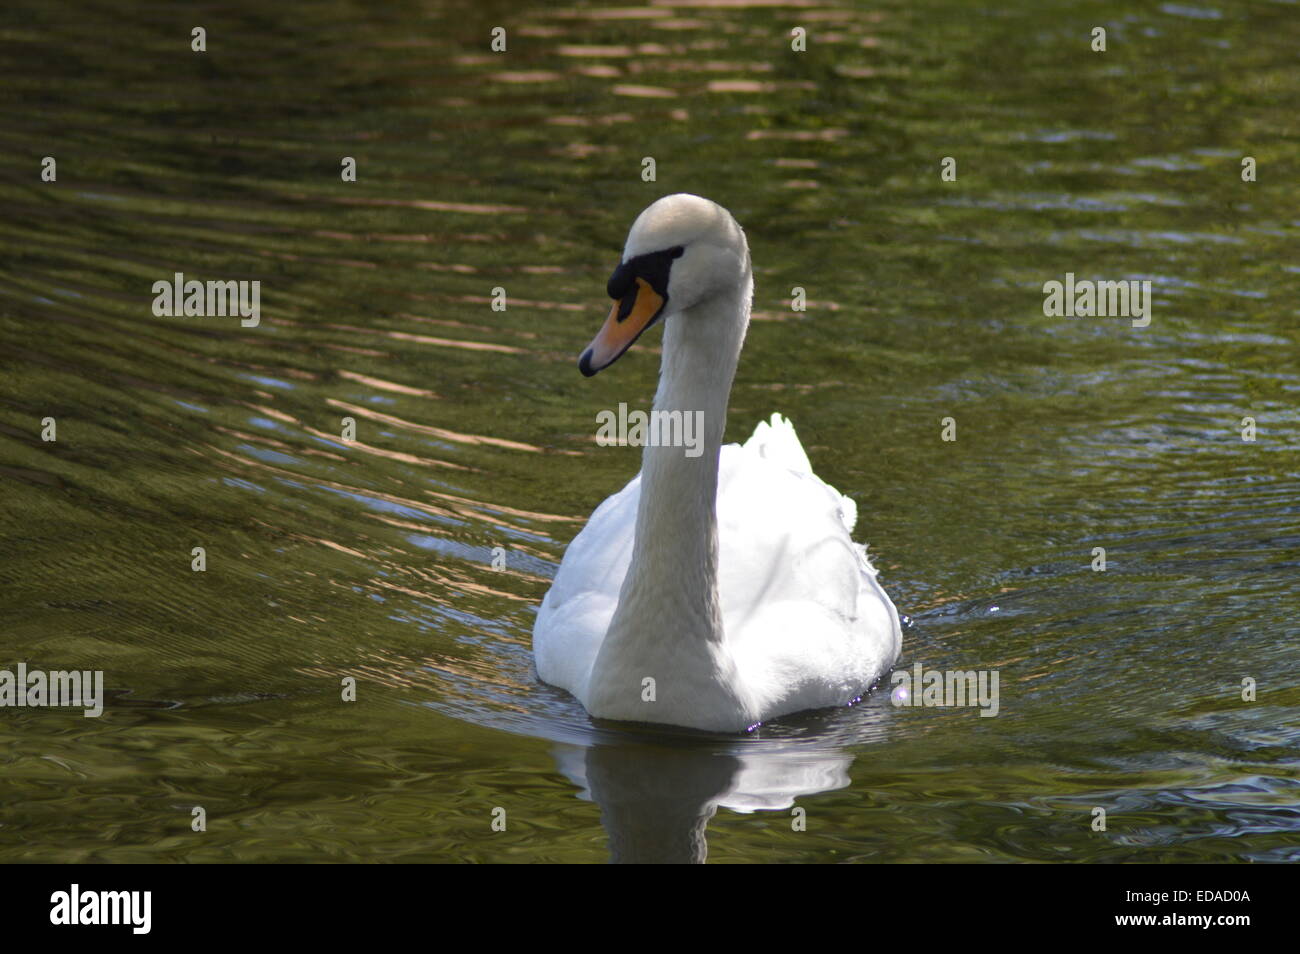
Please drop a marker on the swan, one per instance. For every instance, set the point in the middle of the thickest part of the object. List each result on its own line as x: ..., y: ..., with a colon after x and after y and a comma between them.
x: 720, y: 590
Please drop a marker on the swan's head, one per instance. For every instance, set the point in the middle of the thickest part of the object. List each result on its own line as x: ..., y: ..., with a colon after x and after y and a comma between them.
x: 682, y: 250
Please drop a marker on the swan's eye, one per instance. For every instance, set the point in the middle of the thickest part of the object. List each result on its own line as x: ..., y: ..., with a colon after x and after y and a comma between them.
x: 620, y: 283
x: 652, y: 266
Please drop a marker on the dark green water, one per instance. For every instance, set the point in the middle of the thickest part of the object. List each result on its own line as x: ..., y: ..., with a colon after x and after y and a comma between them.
x: 325, y: 559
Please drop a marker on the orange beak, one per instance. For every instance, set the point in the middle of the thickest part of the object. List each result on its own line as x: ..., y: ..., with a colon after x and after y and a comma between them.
x: 630, y: 316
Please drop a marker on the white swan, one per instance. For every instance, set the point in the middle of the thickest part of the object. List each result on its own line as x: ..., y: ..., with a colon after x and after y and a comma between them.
x: 727, y: 578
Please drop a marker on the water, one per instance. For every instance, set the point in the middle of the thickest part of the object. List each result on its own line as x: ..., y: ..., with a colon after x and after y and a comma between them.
x: 475, y: 431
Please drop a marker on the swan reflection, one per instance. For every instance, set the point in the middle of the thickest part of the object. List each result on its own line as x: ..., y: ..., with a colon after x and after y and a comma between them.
x: 657, y: 793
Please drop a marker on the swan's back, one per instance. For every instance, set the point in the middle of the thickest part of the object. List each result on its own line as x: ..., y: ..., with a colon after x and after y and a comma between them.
x: 803, y: 616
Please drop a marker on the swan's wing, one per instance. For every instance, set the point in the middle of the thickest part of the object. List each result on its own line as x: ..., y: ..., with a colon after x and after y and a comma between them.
x: 804, y: 616
x: 805, y: 619
x: 776, y: 442
x: 575, y: 614
x: 574, y: 617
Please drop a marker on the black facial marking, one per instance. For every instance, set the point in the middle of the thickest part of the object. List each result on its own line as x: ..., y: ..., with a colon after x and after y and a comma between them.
x: 653, y: 267
x: 625, y: 306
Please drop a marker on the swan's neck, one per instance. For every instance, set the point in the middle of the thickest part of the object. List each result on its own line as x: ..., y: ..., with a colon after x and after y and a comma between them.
x: 669, y: 598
